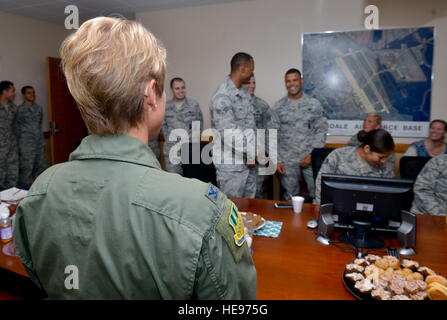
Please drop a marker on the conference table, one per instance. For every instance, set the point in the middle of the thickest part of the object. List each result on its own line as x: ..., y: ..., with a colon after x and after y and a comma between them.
x: 295, y: 266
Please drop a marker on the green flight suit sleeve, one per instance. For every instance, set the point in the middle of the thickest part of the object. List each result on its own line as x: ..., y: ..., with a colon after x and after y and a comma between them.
x: 225, y: 270
x: 22, y: 245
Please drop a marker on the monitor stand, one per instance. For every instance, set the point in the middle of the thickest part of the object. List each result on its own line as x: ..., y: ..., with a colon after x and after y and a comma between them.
x: 360, y: 237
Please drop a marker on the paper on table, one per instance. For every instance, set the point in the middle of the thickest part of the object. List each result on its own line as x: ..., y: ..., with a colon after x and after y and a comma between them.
x: 13, y: 194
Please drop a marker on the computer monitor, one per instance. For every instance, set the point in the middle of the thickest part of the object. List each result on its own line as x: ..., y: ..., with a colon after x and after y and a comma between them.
x: 366, y: 206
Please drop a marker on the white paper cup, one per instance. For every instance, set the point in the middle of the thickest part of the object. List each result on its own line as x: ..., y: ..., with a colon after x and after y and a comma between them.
x: 297, y: 203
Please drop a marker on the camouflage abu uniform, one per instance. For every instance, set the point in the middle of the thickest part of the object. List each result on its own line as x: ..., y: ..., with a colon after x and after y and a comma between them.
x: 231, y: 108
x: 265, y: 119
x: 430, y: 188
x: 179, y: 119
x: 347, y: 161
x: 9, y: 162
x: 301, y: 130
x: 31, y: 142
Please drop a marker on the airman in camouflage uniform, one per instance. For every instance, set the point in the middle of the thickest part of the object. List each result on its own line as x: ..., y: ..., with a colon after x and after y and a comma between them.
x: 180, y: 113
x: 430, y: 188
x: 303, y: 127
x: 9, y: 162
x: 231, y: 108
x: 265, y: 119
x: 354, y: 142
x: 30, y: 138
x: 348, y: 162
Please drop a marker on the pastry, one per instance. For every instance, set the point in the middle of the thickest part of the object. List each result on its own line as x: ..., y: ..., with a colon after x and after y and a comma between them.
x: 410, y: 264
x: 438, y: 292
x: 380, y: 294
x: 354, y: 268
x: 393, y: 262
x: 426, y: 271
x: 385, y: 277
x: 382, y: 263
x: 411, y: 287
x: 397, y: 276
x: 397, y: 286
x: 422, y: 285
x: 371, y: 258
x: 420, y: 295
x: 369, y: 270
x: 365, y: 286
x: 417, y: 276
x: 361, y: 262
x: 400, y: 297
x: 436, y: 278
x: 254, y: 219
x: 354, y: 277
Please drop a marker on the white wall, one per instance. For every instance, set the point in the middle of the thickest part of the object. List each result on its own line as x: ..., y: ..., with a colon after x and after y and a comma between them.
x: 201, y: 40
x: 25, y: 44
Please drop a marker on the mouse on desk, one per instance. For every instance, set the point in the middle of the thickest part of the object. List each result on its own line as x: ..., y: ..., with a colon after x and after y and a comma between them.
x: 312, y: 224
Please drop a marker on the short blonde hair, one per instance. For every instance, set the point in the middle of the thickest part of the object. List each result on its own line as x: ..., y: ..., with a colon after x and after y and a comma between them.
x: 375, y: 115
x: 107, y: 64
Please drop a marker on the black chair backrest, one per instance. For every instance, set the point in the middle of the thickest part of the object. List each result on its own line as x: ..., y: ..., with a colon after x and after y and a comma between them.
x: 318, y: 156
x: 410, y: 167
x: 201, y: 171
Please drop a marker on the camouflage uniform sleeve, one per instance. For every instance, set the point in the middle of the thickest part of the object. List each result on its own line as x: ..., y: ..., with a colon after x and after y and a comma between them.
x: 271, y: 121
x: 389, y: 166
x: 319, y: 128
x: 277, y: 122
x: 17, y: 123
x: 42, y: 138
x: 430, y: 188
x: 200, y: 116
x: 225, y: 268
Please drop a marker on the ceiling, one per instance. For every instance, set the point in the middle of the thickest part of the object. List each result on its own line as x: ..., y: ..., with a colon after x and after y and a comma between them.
x: 53, y: 11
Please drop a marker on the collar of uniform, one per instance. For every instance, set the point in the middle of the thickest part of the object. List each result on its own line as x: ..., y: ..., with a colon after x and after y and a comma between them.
x: 171, y: 103
x: 362, y: 163
x: 235, y: 91
x: 303, y: 97
x: 119, y: 147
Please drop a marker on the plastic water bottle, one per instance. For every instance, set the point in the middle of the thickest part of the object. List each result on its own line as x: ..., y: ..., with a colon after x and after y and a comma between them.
x: 5, y: 224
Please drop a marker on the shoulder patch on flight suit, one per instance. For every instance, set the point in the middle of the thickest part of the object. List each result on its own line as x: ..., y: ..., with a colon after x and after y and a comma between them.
x: 231, y: 227
x: 212, y: 193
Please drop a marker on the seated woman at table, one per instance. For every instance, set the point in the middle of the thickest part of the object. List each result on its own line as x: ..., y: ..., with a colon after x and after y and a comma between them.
x: 430, y: 188
x: 125, y: 228
x: 368, y: 159
x: 434, y: 145
x: 372, y: 121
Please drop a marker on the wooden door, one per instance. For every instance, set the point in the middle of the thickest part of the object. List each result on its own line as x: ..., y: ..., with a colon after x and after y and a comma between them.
x: 66, y: 125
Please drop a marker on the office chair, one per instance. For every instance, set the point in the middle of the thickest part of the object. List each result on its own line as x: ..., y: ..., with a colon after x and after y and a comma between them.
x: 409, y: 167
x: 318, y: 156
x: 201, y: 171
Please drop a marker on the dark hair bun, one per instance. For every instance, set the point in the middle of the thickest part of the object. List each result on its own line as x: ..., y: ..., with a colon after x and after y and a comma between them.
x: 379, y: 140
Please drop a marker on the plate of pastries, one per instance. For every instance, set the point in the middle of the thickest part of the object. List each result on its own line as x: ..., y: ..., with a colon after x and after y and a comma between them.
x: 376, y: 277
x: 254, y: 219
